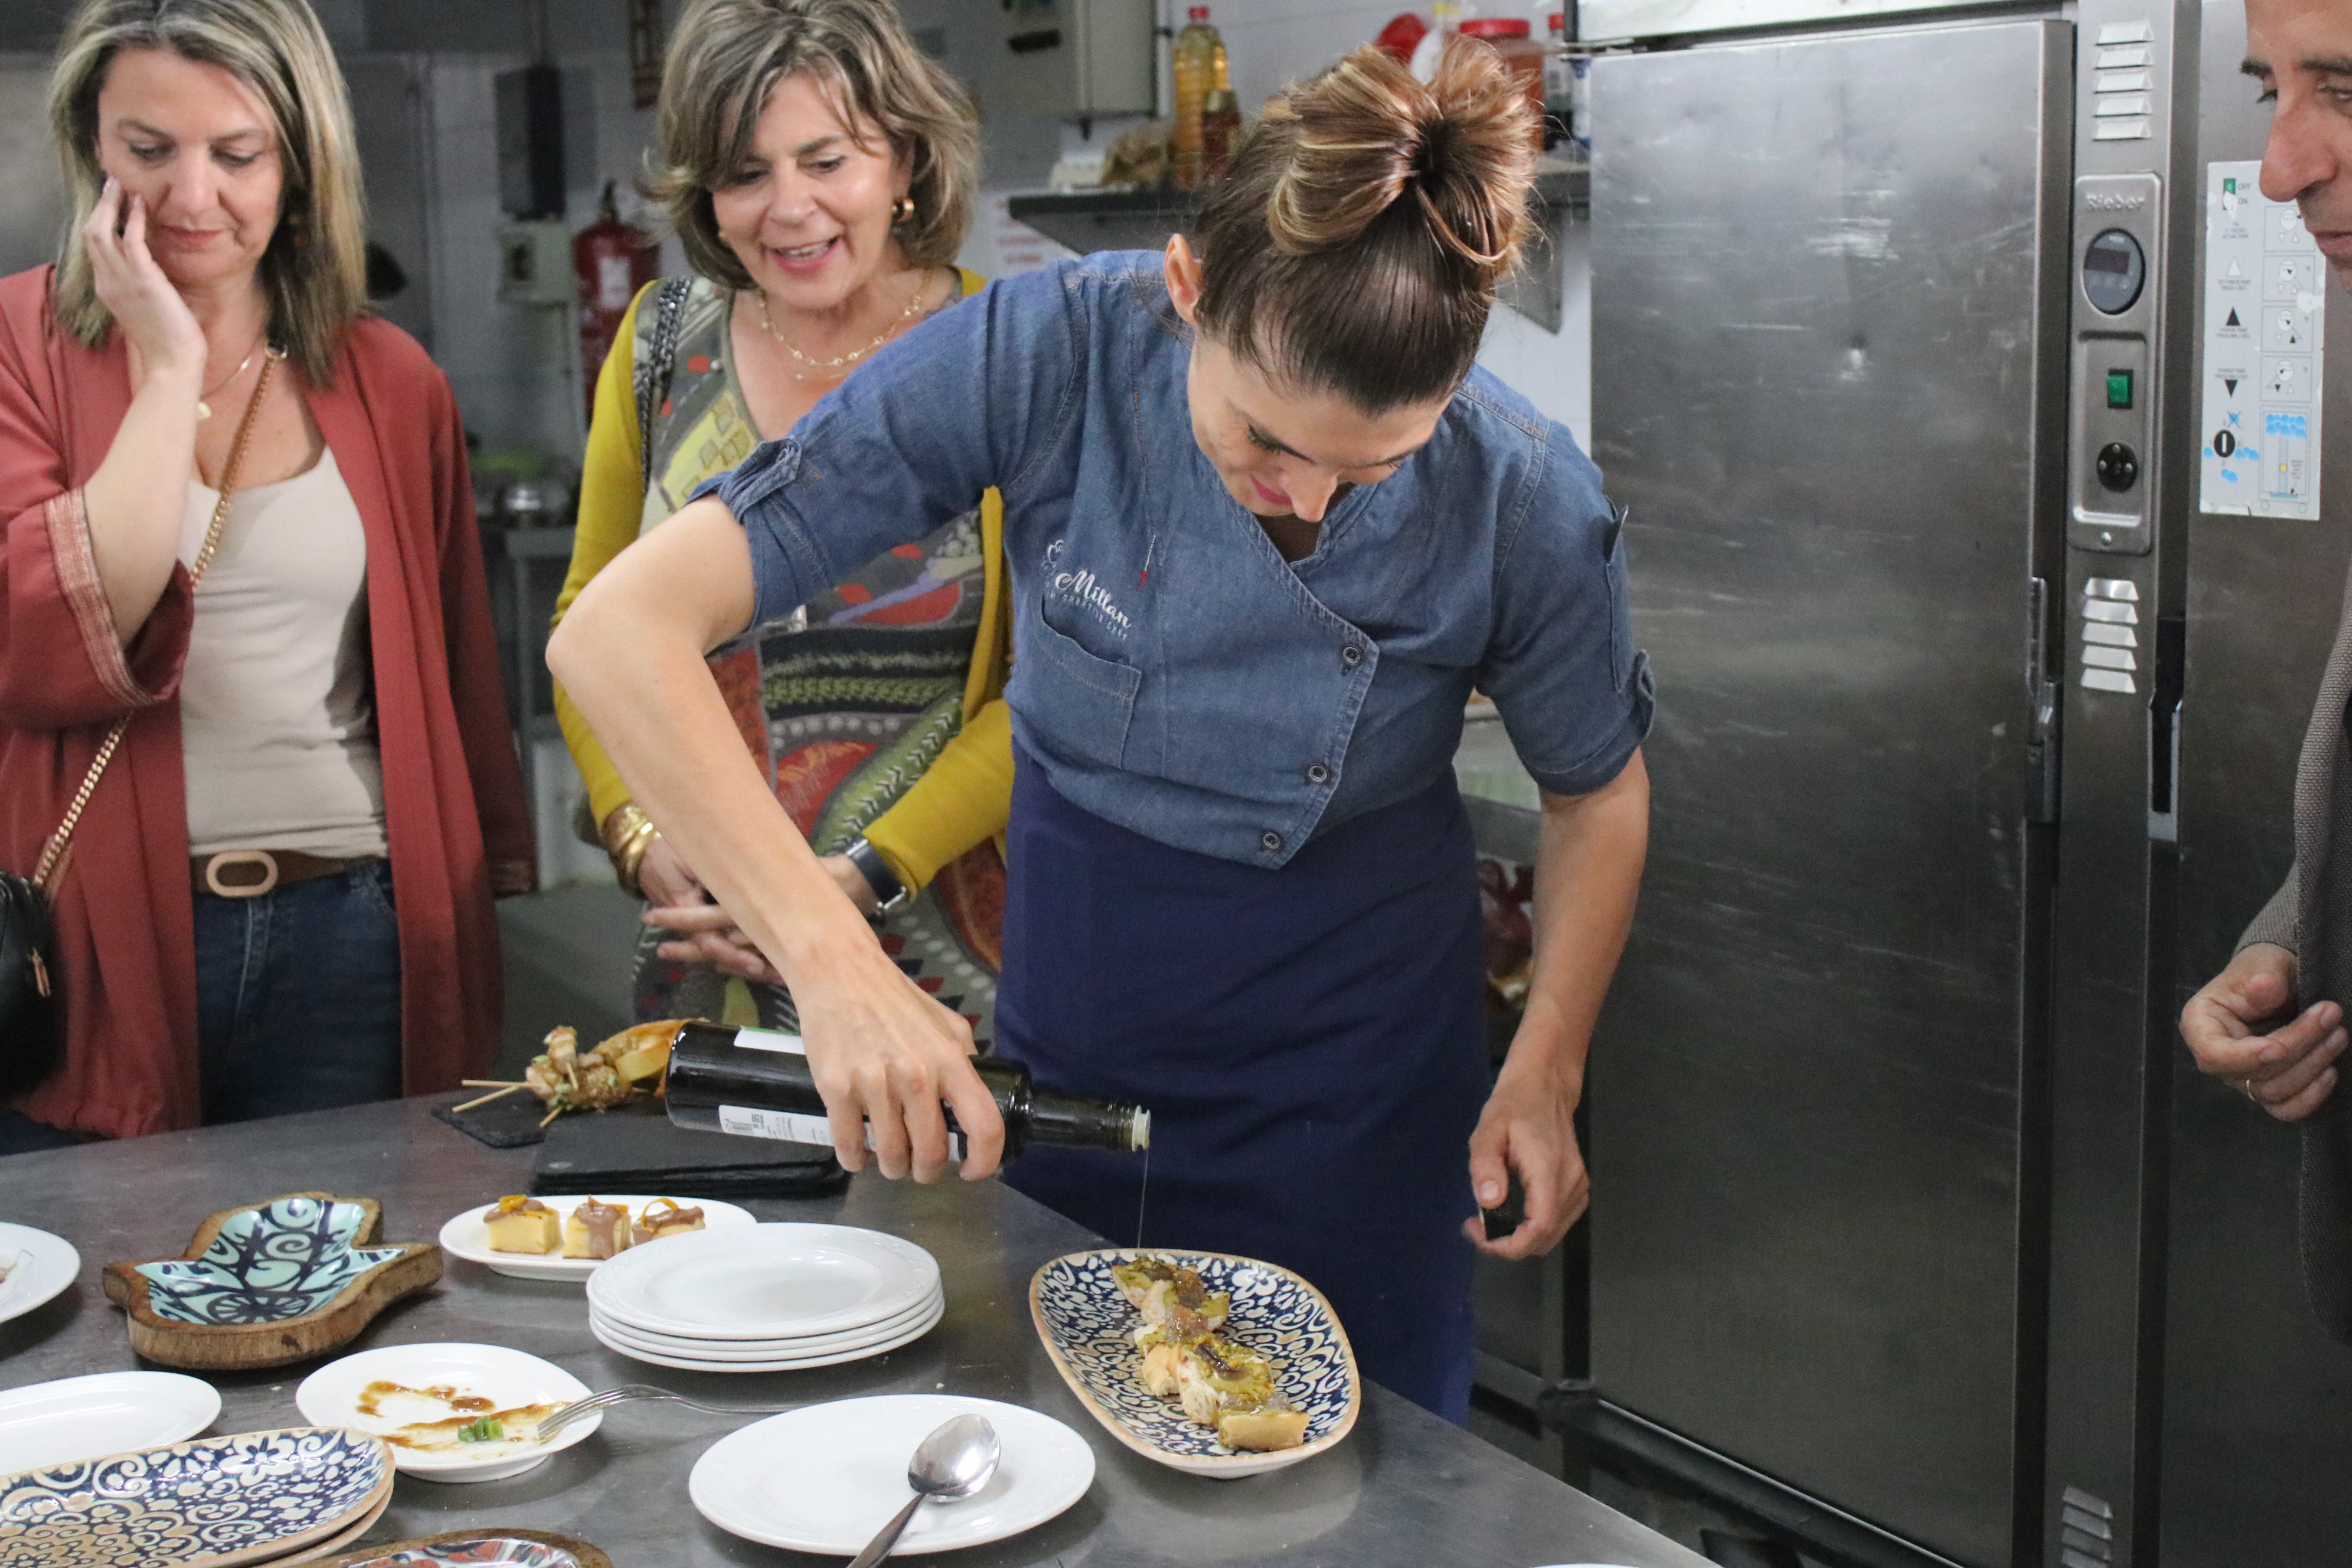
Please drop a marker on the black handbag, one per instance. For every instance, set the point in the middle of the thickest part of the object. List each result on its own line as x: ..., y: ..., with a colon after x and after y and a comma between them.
x: 32, y: 1021
x: 32, y: 991
x: 32, y: 1003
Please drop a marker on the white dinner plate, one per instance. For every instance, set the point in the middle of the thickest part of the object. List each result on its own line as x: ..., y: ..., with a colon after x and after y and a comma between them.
x: 46, y: 1424
x: 766, y: 1282
x: 712, y: 1363
x: 806, y: 1344
x: 825, y: 1478
x: 507, y: 1378
x: 39, y: 1266
x: 467, y: 1236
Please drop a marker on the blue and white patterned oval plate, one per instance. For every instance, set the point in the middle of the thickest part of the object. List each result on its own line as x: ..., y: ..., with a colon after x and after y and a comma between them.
x: 1086, y: 1324
x: 286, y: 1259
x: 218, y: 1501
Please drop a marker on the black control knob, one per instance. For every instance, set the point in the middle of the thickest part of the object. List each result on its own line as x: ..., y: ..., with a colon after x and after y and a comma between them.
x: 2117, y: 465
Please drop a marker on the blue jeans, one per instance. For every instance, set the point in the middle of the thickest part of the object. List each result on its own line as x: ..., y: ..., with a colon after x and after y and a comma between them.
x: 298, y: 997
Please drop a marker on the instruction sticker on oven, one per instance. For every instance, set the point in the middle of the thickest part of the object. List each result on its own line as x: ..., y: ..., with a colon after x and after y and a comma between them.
x: 2265, y: 293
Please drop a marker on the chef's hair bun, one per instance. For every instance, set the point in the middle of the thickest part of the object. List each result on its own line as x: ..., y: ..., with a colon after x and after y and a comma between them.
x: 1356, y: 245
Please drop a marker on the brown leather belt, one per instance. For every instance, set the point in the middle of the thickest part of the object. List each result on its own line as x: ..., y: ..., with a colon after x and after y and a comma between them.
x: 249, y: 873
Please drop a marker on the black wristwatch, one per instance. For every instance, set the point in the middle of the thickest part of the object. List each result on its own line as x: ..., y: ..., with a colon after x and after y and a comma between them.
x: 889, y: 893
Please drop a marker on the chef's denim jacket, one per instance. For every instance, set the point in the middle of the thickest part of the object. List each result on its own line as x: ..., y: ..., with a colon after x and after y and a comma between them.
x: 1172, y: 673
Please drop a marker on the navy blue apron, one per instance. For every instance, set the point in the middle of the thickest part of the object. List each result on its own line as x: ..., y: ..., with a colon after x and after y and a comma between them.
x: 1310, y: 1042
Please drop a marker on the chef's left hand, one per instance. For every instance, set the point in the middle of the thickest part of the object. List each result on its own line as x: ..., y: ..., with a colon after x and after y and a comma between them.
x: 1530, y: 1126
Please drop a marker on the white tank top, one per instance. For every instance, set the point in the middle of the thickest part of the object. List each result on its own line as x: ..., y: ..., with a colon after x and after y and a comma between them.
x: 276, y: 719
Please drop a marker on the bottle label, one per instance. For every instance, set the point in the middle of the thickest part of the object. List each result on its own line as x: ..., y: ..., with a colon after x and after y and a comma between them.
x: 789, y: 1127
x: 771, y: 1041
x: 792, y: 1127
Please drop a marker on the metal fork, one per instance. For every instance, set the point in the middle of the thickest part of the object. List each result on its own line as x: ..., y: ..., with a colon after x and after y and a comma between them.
x: 629, y: 1393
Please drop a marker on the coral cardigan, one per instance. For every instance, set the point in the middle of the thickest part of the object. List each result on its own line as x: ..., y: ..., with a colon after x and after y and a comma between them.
x: 452, y: 791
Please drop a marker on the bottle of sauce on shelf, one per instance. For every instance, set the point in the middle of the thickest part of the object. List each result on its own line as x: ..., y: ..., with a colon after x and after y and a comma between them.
x: 1559, y: 83
x: 756, y: 1083
x: 1221, y: 124
x: 1200, y: 70
x: 1523, y: 57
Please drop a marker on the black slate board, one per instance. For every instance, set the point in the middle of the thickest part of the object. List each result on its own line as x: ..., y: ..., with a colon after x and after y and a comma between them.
x: 508, y: 1123
x: 634, y: 1149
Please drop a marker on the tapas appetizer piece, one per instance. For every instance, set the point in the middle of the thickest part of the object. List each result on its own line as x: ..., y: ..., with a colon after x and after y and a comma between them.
x: 1272, y: 1382
x: 268, y: 1284
x: 597, y: 1229
x: 520, y: 1224
x: 663, y: 1216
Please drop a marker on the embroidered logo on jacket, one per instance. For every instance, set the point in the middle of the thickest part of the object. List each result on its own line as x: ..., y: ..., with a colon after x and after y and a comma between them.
x: 1083, y: 588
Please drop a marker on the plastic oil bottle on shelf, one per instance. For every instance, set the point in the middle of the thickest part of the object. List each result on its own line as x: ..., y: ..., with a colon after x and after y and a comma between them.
x: 1200, y: 70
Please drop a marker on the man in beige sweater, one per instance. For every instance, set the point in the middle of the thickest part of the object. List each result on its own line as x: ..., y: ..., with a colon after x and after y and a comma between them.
x: 2242, y: 1026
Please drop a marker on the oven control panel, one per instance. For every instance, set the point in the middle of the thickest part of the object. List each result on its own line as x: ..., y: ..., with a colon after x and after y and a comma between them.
x: 2111, y: 460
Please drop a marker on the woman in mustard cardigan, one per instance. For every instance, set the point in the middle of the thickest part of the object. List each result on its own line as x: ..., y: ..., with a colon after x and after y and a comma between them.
x: 819, y: 171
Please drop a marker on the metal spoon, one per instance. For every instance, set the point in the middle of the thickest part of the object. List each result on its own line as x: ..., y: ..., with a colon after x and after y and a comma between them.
x: 954, y: 1462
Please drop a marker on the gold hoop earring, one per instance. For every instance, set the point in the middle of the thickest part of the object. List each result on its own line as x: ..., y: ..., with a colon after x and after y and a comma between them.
x: 902, y: 211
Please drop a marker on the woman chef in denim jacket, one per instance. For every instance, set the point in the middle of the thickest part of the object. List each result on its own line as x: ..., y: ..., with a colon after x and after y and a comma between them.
x: 1267, y: 529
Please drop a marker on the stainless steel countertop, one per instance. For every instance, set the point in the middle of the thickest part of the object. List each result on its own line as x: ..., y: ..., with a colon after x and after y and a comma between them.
x: 1405, y: 1487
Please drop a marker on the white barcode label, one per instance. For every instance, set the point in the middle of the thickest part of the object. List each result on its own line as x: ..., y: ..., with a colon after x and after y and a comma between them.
x: 771, y: 1041
x: 787, y: 1126
x: 792, y: 1127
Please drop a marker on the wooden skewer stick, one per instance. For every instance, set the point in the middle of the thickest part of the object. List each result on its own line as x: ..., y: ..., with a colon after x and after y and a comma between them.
x: 492, y: 1083
x: 551, y: 1116
x: 495, y: 1094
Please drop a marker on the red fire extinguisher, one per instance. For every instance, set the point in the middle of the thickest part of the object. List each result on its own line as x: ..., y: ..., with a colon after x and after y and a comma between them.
x: 613, y: 261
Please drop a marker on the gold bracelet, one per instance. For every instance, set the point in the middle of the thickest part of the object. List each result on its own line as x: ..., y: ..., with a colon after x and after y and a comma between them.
x: 627, y: 833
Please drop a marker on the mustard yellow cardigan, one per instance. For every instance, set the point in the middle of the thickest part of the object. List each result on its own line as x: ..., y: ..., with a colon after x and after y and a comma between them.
x: 962, y: 798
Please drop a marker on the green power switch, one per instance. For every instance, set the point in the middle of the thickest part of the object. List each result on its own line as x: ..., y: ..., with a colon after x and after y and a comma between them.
x: 2119, y: 389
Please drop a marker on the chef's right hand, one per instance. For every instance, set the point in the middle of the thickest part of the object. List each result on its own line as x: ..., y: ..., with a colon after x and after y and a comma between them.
x: 159, y: 329
x: 885, y: 1053
x: 2289, y: 1070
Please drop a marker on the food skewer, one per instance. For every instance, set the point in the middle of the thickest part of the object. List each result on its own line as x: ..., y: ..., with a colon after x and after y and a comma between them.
x: 500, y: 1093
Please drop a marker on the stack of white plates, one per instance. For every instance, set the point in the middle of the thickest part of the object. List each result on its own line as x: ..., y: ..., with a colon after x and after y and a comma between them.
x: 766, y: 1298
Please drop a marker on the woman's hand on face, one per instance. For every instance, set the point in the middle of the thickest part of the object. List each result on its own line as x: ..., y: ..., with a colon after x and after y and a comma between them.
x: 1530, y: 1126
x: 886, y: 1055
x: 158, y: 328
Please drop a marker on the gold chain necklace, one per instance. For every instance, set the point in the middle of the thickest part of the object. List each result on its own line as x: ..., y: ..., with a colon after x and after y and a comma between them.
x: 204, y: 404
x: 853, y: 356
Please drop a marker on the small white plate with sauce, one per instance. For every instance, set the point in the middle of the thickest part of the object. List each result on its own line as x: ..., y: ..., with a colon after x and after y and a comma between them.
x: 76, y: 1419
x: 467, y: 1235
x: 417, y: 1399
x: 35, y: 1264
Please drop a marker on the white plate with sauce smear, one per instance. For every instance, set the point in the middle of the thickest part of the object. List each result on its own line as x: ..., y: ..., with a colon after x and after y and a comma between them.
x: 46, y: 1424
x: 467, y: 1235
x: 38, y: 1266
x: 393, y: 1391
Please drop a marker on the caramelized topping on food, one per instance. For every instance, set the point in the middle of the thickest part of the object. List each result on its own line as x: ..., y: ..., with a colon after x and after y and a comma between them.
x: 663, y: 1216
x: 597, y: 1229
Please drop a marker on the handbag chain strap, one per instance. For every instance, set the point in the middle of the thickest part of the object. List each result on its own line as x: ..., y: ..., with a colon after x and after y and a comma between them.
x: 56, y: 848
